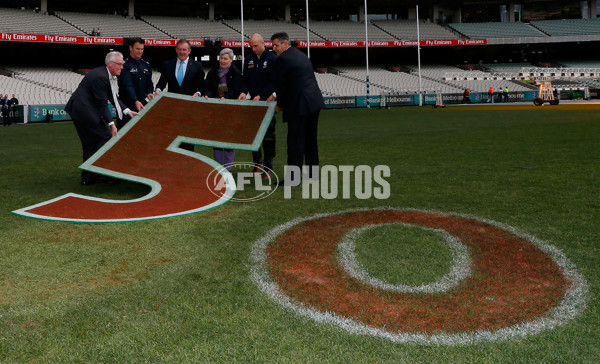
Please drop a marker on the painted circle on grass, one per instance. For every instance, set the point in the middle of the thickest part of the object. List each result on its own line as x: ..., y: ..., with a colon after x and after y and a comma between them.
x: 461, y: 263
x: 516, y: 284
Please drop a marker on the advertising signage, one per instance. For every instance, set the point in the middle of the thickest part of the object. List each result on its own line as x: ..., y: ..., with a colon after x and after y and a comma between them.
x: 71, y: 39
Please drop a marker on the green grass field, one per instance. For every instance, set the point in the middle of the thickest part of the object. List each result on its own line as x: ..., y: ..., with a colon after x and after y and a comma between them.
x: 178, y: 290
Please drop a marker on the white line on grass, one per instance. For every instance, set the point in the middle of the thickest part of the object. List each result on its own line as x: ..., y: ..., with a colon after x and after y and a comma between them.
x: 573, y: 302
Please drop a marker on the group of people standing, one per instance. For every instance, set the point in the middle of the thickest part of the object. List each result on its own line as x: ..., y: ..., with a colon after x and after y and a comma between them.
x: 6, y: 105
x: 285, y: 77
x: 502, y: 95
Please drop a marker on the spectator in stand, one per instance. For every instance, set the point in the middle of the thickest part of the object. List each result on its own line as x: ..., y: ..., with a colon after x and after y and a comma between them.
x: 224, y: 82
x: 259, y: 82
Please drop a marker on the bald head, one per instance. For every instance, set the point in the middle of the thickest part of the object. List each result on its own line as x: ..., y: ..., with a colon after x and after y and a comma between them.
x: 257, y: 43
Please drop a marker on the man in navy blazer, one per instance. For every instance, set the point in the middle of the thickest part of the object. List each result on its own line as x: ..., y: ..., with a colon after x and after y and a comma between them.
x: 182, y: 75
x: 192, y: 72
x: 299, y: 97
x: 88, y: 107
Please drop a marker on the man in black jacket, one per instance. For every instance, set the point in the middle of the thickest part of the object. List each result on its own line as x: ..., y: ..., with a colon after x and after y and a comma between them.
x: 259, y: 82
x: 299, y: 98
x: 5, y: 109
x: 135, y: 80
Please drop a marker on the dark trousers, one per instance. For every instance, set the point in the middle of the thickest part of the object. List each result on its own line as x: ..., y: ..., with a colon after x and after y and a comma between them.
x: 5, y: 117
x: 302, y: 140
x: 92, y: 139
x: 268, y: 147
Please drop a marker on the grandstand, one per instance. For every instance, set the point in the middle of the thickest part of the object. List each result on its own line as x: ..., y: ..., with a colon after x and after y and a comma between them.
x: 346, y: 30
x: 268, y: 27
x: 333, y: 85
x: 568, y: 26
x: 110, y: 25
x: 48, y: 85
x: 30, y: 93
x: 496, y: 30
x: 398, y: 82
x: 192, y: 28
x: 61, y: 79
x: 405, y: 29
x: 27, y: 21
x: 579, y: 63
x: 505, y: 67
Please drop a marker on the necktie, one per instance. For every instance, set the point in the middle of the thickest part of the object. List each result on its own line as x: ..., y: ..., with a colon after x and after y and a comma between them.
x: 180, y: 73
x: 113, y: 87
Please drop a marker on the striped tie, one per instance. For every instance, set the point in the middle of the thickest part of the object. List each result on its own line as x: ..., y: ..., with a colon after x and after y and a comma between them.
x: 114, y: 87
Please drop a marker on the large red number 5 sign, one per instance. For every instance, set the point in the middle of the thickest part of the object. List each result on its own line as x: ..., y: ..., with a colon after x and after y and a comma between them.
x: 507, y: 283
x: 147, y: 151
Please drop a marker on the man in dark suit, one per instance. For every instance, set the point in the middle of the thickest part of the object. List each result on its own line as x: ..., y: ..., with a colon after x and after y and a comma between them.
x: 192, y: 73
x: 5, y: 109
x: 13, y: 103
x: 182, y: 75
x: 88, y: 107
x: 299, y: 97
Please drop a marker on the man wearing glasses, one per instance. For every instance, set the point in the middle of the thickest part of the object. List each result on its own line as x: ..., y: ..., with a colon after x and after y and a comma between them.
x: 299, y: 97
x: 88, y: 107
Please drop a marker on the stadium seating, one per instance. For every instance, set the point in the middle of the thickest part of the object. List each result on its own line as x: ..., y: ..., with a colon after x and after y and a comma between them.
x: 55, y: 85
x: 568, y: 26
x: 30, y: 93
x: 192, y: 28
x: 336, y: 85
x: 580, y: 63
x: 397, y: 82
x: 61, y: 79
x: 505, y: 67
x: 111, y: 25
x: 407, y: 29
x: 29, y: 22
x: 496, y: 30
x: 269, y: 27
x: 346, y: 30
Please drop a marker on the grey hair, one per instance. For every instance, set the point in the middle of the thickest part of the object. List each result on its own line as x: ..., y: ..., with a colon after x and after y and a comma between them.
x: 226, y: 51
x: 110, y: 57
